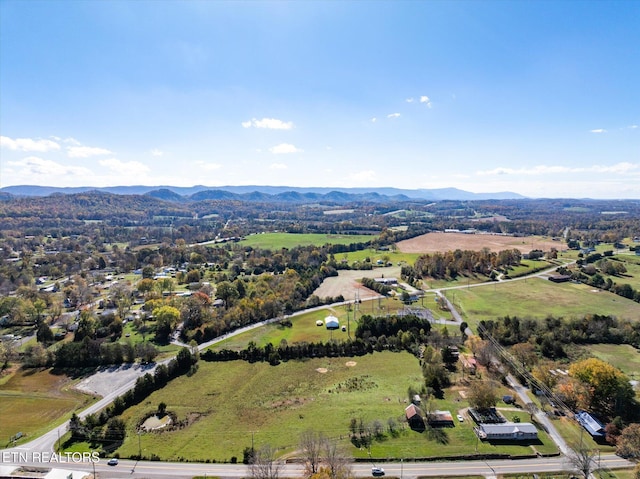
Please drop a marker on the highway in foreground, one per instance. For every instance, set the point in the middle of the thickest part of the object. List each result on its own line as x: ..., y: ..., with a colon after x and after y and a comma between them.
x: 403, y: 470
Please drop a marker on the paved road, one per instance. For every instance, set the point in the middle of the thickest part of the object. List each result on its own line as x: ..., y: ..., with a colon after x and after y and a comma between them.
x: 404, y: 470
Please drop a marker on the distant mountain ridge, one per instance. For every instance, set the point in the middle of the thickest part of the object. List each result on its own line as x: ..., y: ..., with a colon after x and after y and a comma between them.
x: 268, y: 193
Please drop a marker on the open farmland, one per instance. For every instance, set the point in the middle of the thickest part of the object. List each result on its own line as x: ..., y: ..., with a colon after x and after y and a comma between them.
x: 538, y: 298
x: 227, y: 402
x: 33, y: 401
x: 228, y: 406
x: 275, y: 241
x: 442, y: 242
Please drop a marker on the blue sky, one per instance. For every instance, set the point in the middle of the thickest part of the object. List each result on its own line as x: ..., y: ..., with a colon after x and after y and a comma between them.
x: 536, y: 97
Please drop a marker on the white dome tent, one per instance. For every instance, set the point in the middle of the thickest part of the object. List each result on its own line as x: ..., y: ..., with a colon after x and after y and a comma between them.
x: 331, y: 322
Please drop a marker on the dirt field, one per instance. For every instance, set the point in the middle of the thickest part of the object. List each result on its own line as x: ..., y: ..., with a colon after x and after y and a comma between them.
x: 347, y: 283
x: 434, y: 242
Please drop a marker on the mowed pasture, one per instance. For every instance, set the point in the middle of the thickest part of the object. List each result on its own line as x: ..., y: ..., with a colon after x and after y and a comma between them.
x: 443, y: 242
x: 276, y: 241
x: 228, y: 406
x: 33, y: 401
x: 623, y: 356
x: 539, y: 298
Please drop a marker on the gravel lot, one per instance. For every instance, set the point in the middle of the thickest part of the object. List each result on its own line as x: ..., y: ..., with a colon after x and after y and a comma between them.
x: 110, y: 379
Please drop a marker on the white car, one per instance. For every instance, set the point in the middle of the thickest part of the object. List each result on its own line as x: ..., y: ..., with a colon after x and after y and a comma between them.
x: 460, y: 418
x: 113, y: 462
x: 377, y: 471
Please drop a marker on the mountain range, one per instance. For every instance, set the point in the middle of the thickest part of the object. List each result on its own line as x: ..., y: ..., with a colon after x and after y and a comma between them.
x: 267, y: 193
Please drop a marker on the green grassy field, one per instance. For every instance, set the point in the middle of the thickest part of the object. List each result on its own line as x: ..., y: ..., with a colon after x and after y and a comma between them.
x: 624, y: 357
x: 34, y: 401
x: 304, y: 328
x: 395, y: 257
x: 538, y: 298
x: 231, y: 404
x: 632, y: 276
x: 275, y: 241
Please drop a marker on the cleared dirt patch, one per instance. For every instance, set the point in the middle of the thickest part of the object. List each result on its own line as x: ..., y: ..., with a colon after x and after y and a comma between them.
x: 154, y: 422
x: 350, y: 364
x: 443, y: 242
x: 347, y: 283
x: 322, y: 370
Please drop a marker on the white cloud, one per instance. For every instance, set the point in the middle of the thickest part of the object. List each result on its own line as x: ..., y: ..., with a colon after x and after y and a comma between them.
x: 268, y: 123
x: 86, y: 151
x: 278, y: 166
x: 283, y: 148
x: 393, y: 115
x: 374, y: 119
x: 208, y: 166
x: 125, y: 168
x: 364, y: 176
x: 633, y: 127
x: 34, y: 166
x: 599, y: 130
x: 156, y: 152
x: 409, y: 100
x: 425, y: 99
x: 72, y: 141
x: 618, y: 168
x: 28, y: 144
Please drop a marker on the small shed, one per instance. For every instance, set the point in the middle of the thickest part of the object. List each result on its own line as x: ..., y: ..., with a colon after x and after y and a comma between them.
x: 440, y: 419
x: 414, y: 418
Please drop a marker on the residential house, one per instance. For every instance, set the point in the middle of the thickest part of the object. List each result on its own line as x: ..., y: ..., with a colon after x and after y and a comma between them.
x: 507, y: 431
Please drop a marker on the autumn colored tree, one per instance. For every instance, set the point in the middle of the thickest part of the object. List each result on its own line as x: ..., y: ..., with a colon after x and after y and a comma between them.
x: 542, y: 373
x: 573, y: 392
x: 483, y: 394
x: 145, y: 286
x: 628, y: 444
x: 166, y: 319
x: 610, y: 388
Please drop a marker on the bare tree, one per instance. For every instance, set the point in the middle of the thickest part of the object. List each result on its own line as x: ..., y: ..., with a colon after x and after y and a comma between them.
x: 583, y: 460
x: 311, y: 443
x: 337, y: 460
x: 264, y: 465
x: 531, y: 408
